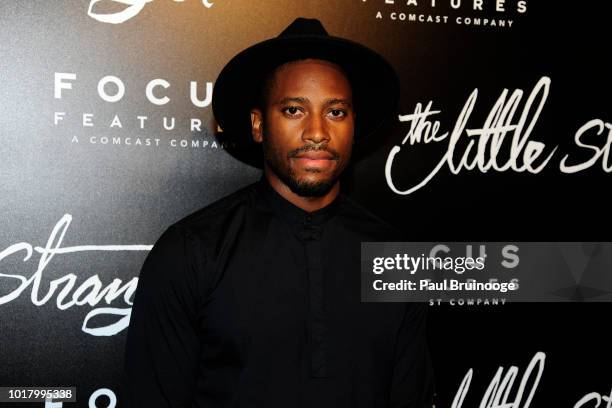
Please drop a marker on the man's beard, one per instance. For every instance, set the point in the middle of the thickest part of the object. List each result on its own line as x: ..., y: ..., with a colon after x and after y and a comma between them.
x: 285, y: 173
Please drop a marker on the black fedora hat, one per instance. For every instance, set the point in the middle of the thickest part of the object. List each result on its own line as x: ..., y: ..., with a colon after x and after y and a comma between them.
x: 374, y: 82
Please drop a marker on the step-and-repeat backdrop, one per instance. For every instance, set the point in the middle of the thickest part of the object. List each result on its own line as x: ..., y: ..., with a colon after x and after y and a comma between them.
x: 107, y: 137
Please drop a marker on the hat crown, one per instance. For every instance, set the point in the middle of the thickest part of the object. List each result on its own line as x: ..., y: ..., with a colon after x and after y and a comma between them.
x: 304, y: 26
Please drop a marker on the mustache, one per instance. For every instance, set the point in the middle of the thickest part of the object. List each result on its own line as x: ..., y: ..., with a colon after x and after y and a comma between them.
x: 313, y: 148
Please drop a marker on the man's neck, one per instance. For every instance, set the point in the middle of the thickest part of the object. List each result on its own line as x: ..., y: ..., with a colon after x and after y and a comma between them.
x: 308, y: 204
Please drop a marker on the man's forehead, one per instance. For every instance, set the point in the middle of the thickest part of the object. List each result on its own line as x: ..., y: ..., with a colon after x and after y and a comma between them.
x: 313, y: 74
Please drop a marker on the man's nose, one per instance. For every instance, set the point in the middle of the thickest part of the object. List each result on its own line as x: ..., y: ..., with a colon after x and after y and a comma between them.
x: 316, y: 130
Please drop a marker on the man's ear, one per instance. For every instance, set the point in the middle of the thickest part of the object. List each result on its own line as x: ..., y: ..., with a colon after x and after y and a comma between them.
x: 257, y: 125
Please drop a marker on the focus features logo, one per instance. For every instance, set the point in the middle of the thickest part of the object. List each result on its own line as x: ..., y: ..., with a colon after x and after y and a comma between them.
x: 112, y: 89
x: 480, y: 13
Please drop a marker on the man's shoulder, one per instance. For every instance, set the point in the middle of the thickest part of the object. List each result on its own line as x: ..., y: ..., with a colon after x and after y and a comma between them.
x: 216, y: 213
x: 363, y: 219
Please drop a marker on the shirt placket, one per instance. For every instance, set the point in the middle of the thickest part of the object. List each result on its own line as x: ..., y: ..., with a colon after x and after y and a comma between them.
x: 311, y: 239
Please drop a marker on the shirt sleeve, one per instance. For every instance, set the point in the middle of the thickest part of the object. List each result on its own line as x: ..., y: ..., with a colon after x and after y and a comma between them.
x: 413, y: 383
x: 163, y: 345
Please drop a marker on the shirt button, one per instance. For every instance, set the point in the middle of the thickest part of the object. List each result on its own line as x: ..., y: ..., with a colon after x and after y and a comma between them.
x: 308, y: 218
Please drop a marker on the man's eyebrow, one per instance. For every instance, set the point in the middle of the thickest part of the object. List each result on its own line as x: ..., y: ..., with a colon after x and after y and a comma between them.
x: 338, y: 101
x: 299, y: 99
x: 296, y: 99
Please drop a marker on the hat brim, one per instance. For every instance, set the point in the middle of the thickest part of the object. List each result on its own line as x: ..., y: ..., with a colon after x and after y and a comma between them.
x: 374, y: 83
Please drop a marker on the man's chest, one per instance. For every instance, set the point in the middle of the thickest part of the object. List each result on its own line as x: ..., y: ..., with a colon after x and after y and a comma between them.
x: 292, y: 295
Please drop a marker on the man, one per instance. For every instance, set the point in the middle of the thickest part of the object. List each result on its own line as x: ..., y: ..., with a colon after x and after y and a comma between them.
x: 254, y: 301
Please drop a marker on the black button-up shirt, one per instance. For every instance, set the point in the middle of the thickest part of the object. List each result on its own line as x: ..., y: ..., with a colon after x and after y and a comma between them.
x: 254, y: 302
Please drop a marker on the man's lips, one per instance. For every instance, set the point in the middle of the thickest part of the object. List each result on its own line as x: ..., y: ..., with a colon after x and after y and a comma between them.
x: 316, y: 155
x: 315, y: 158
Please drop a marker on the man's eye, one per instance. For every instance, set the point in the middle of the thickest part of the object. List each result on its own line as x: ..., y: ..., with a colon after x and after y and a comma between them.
x: 337, y: 113
x: 291, y: 110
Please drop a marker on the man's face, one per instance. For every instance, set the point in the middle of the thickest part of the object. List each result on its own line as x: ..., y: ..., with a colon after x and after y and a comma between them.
x: 307, y: 126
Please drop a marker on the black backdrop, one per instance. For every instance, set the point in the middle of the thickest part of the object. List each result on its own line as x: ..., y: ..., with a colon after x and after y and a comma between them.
x: 110, y: 200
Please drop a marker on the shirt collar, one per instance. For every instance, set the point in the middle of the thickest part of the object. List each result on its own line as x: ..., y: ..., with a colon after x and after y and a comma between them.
x: 292, y: 213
